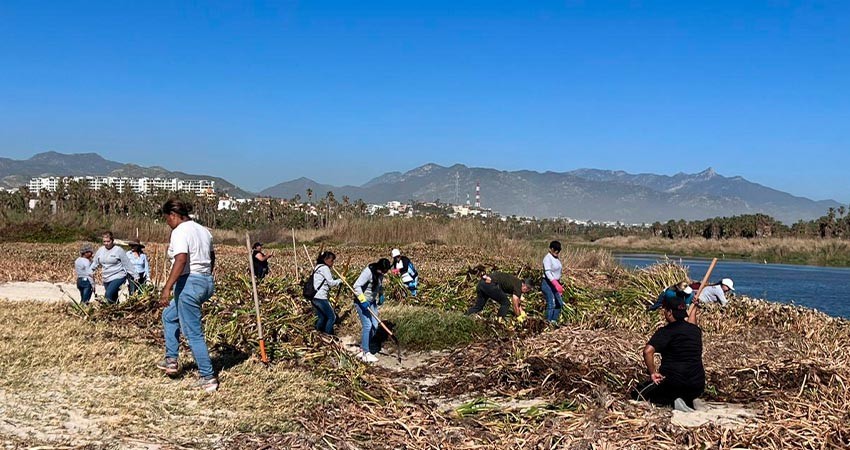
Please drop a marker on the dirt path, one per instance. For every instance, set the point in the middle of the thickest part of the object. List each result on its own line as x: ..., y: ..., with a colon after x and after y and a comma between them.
x: 46, y: 292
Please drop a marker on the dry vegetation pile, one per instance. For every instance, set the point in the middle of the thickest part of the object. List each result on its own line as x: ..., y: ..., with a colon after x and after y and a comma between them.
x: 514, y: 386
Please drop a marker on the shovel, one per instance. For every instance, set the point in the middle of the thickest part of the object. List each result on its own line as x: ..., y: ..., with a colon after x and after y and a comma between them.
x: 390, y: 333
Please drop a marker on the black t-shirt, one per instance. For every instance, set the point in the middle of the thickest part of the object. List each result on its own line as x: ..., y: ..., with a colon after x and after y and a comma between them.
x: 680, y: 346
x: 261, y: 268
x: 509, y: 284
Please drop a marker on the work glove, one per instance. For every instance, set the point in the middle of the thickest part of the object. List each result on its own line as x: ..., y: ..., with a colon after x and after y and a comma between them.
x: 558, y: 286
x: 381, y: 299
x: 362, y: 298
x: 394, y: 271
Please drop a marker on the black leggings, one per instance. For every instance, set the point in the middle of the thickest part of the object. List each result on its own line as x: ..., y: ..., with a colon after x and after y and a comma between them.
x: 666, y: 393
x: 490, y: 291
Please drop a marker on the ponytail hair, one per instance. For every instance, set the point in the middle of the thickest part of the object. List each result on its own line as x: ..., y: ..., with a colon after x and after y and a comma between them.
x: 323, y: 256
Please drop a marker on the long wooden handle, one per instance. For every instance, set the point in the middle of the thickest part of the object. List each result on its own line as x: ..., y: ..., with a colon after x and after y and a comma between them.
x: 705, y: 279
x: 380, y: 322
x: 263, y: 355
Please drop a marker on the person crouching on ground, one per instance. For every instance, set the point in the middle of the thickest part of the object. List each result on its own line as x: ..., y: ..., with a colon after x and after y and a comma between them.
x: 323, y: 281
x: 551, y: 285
x: 681, y: 377
x: 192, y: 262
x: 497, y: 287
x: 140, y: 263
x: 716, y: 293
x: 367, y: 289
x: 82, y: 268
x: 405, y: 269
x: 117, y: 267
x: 681, y: 289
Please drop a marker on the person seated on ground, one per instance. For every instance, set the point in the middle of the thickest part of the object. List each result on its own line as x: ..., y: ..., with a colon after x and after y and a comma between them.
x: 404, y: 268
x: 367, y: 290
x: 260, y: 260
x: 716, y: 293
x: 681, y: 377
x: 82, y: 268
x: 497, y: 287
x: 323, y: 281
x: 681, y: 289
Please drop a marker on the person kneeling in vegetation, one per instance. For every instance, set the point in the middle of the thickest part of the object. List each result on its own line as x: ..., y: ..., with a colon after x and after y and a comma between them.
x: 497, y: 287
x: 368, y: 289
x: 405, y: 269
x: 681, y: 289
x: 716, y: 293
x: 192, y: 262
x: 681, y: 377
x: 323, y: 281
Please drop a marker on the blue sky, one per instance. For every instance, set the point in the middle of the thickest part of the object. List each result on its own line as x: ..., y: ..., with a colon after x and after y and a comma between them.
x: 339, y: 91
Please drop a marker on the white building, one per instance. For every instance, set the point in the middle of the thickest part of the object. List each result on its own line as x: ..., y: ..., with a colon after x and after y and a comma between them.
x: 140, y: 185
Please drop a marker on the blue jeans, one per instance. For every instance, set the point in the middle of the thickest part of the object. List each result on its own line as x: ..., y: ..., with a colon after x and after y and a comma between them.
x: 553, y: 302
x: 112, y: 288
x: 85, y: 288
x: 368, y: 323
x: 183, y: 314
x: 325, y: 315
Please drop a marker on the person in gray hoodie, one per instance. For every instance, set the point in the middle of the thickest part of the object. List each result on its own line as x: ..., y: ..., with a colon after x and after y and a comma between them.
x: 367, y: 289
x: 323, y: 281
x: 116, y: 267
x: 82, y: 268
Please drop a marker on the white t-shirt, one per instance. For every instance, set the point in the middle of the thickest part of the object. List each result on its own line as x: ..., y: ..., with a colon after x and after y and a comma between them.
x: 195, y: 240
x: 552, y: 267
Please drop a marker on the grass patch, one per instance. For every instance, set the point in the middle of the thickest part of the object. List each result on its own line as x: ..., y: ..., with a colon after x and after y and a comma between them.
x: 422, y: 328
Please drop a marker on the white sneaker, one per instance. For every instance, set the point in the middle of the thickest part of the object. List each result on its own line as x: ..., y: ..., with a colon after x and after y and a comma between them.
x: 359, y: 355
x: 369, y: 358
x: 680, y: 405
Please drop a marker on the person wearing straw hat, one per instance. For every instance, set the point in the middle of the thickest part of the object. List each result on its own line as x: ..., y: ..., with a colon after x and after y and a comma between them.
x: 116, y: 267
x: 681, y: 376
x: 139, y: 260
x: 716, y: 293
x: 405, y: 269
x: 82, y: 268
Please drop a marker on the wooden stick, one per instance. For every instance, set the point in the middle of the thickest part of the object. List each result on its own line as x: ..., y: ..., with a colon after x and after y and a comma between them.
x: 692, y: 309
x: 263, y: 357
x: 294, y: 255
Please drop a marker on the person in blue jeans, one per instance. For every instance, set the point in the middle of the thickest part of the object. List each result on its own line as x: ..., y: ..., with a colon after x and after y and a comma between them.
x: 323, y: 281
x: 192, y: 262
x: 367, y: 290
x: 117, y: 268
x: 82, y: 268
x: 551, y: 285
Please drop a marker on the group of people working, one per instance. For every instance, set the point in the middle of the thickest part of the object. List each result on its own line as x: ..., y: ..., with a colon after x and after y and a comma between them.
x: 117, y: 265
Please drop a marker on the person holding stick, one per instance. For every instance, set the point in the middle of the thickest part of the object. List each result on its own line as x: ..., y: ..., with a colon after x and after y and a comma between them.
x: 367, y: 289
x: 260, y: 260
x: 82, y: 268
x: 323, y: 281
x: 117, y: 267
x: 681, y: 377
x: 192, y: 262
x: 139, y: 260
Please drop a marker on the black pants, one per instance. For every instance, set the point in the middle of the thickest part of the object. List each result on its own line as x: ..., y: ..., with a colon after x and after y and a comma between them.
x: 666, y: 393
x: 490, y: 291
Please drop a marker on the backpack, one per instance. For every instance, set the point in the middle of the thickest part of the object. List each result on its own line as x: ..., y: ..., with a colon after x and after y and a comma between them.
x: 308, y: 288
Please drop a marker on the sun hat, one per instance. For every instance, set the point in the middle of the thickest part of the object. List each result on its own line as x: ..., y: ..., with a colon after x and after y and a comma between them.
x: 395, y: 252
x: 728, y: 283
x: 136, y: 244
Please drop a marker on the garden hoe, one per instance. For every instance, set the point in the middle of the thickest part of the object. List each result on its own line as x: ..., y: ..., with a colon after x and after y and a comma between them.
x: 263, y: 357
x: 389, y: 333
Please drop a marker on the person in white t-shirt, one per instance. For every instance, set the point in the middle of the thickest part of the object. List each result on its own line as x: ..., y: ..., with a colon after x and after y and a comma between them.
x: 192, y: 262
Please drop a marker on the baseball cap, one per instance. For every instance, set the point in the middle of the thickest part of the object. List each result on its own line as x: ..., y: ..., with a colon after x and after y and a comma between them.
x: 395, y: 252
x: 728, y: 283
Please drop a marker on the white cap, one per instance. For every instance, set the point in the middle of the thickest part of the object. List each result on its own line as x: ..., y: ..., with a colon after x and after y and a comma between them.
x: 687, y: 290
x: 728, y: 283
x: 396, y: 252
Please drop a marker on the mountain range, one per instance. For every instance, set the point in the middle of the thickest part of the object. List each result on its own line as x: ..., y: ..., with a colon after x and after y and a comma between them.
x: 588, y: 194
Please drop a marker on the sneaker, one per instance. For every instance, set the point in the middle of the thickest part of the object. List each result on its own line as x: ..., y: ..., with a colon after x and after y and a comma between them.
x: 369, y: 358
x: 359, y: 355
x: 680, y: 405
x: 208, y: 384
x: 169, y: 366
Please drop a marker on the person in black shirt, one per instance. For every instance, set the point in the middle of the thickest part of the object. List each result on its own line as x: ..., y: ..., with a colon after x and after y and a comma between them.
x: 260, y: 260
x: 681, y: 377
x: 497, y: 287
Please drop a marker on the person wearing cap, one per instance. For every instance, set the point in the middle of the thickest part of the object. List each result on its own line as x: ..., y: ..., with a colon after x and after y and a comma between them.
x: 499, y: 287
x: 116, y: 267
x: 367, y: 289
x: 260, y: 260
x: 681, y: 289
x: 82, y: 268
x: 681, y: 376
x: 551, y: 285
x: 405, y: 269
x: 139, y: 260
x: 716, y: 293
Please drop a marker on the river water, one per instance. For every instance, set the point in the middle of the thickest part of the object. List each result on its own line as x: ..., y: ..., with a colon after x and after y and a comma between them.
x: 822, y: 288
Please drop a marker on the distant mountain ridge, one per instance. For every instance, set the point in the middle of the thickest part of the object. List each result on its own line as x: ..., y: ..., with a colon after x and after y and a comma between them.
x: 590, y: 194
x: 15, y: 173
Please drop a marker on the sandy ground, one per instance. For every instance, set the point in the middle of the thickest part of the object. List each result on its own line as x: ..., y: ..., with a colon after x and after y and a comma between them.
x: 47, y: 292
